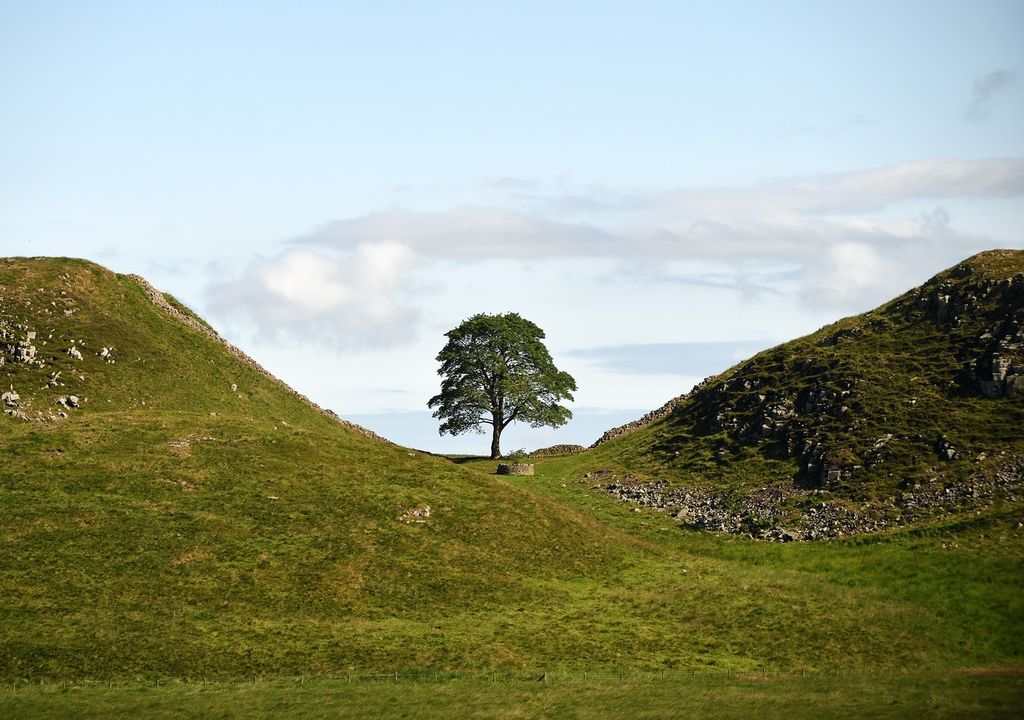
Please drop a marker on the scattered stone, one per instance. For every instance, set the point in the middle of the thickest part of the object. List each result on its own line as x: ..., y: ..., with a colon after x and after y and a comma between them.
x: 25, y: 351
x: 416, y: 515
x: 946, y: 450
x: 74, y: 353
x: 781, y: 513
x: 11, y: 399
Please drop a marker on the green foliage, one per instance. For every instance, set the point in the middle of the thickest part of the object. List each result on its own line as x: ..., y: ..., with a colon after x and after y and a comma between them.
x: 495, y: 371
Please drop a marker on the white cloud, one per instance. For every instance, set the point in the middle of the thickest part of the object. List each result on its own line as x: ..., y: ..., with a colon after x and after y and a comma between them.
x: 844, y: 229
x: 359, y: 299
x: 469, y: 232
x: 859, y: 191
x: 783, y: 218
x: 844, y: 274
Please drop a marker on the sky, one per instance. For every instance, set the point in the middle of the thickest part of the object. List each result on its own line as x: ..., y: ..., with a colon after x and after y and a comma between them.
x: 664, y: 187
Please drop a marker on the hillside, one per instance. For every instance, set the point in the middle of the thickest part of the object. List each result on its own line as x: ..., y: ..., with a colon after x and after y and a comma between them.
x: 186, y: 515
x: 157, y: 485
x: 911, y: 410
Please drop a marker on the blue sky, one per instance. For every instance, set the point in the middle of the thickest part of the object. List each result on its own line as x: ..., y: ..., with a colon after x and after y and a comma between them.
x: 335, y: 185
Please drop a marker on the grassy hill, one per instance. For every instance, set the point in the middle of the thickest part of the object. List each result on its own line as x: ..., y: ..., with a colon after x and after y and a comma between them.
x: 912, y: 410
x: 171, y: 523
x: 189, y: 516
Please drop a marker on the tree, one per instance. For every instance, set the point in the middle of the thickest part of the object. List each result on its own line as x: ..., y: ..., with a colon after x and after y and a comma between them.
x: 495, y: 371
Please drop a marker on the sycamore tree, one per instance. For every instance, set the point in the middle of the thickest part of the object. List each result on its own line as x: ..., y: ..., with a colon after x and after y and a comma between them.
x: 495, y: 371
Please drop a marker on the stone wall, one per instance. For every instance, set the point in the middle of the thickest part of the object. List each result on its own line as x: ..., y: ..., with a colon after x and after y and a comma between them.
x: 556, y: 450
x: 652, y: 417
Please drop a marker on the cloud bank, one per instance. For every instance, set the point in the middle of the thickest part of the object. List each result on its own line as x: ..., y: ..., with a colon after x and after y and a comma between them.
x: 354, y: 300
x: 689, y: 358
x: 780, y: 219
x: 845, y: 237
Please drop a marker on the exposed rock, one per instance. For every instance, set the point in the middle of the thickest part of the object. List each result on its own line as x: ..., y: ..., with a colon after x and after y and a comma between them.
x: 946, y: 450
x: 11, y: 399
x: 25, y: 351
x: 416, y: 515
x: 786, y: 513
x: 74, y: 353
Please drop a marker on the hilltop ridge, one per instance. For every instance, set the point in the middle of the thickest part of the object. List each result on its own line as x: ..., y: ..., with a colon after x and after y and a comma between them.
x: 48, y: 352
x: 910, y: 404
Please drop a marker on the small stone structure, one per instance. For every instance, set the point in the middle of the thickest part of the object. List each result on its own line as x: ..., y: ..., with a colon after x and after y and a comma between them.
x: 515, y: 469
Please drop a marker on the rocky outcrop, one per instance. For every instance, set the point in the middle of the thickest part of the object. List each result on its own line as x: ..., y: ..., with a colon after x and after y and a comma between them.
x: 11, y: 399
x: 17, y: 344
x: 844, y: 404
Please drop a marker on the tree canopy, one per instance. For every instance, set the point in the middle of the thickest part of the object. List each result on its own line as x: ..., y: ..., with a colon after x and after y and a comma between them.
x: 495, y: 371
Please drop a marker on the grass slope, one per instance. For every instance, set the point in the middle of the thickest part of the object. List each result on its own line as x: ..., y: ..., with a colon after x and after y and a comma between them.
x: 871, y: 398
x: 156, y: 539
x: 164, y: 538
x: 710, y: 697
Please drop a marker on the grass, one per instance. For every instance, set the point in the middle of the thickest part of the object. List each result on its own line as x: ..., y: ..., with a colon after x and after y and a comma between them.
x: 992, y: 694
x: 173, y: 527
x: 896, y: 375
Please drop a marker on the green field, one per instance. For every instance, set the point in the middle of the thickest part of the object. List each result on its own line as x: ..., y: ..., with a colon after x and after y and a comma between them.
x: 997, y: 694
x: 174, y: 527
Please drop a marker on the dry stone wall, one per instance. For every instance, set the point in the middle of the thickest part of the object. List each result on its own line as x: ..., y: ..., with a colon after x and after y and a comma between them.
x: 556, y: 450
x: 652, y: 417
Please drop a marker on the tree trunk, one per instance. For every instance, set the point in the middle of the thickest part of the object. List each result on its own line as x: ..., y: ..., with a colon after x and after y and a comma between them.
x: 496, y: 439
